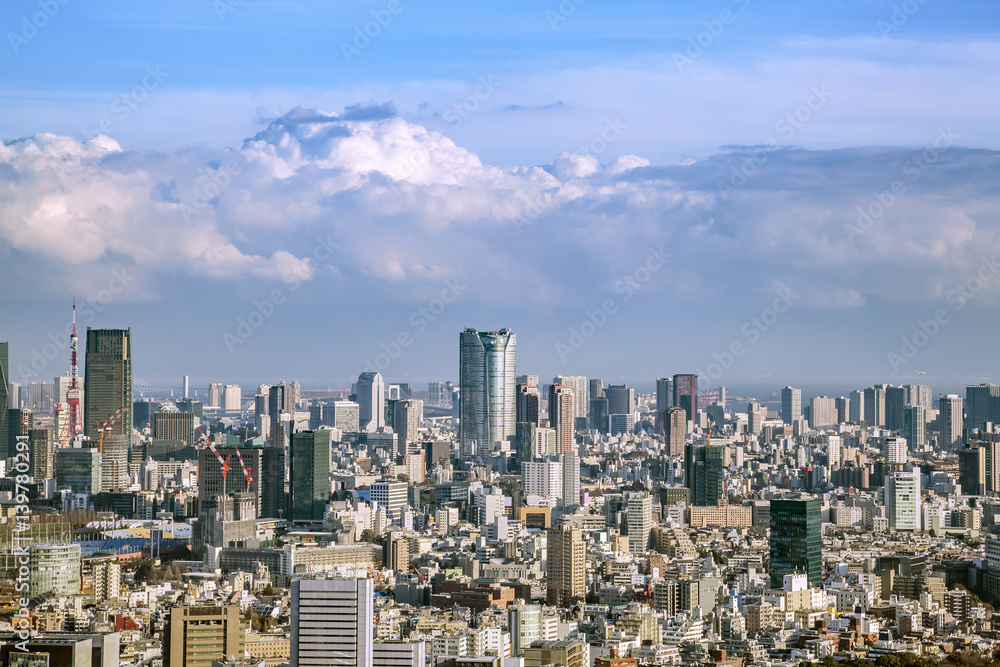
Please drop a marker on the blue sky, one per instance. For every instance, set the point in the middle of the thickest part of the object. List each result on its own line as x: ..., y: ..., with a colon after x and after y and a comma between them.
x: 218, y: 154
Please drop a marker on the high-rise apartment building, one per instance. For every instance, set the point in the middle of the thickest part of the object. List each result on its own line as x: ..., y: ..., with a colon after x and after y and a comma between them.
x: 562, y: 406
x: 675, y: 426
x: 215, y: 395
x: 108, y: 383
x: 406, y: 415
x: 822, y: 412
x: 579, y: 385
x: 309, y: 490
x: 570, y: 460
x: 796, y: 540
x: 487, y: 383
x: 232, y: 398
x: 791, y: 404
x: 332, y: 622
x: 895, y: 450
x: 529, y: 401
x: 566, y: 567
x: 639, y: 517
x: 875, y: 405
x: 686, y: 395
x: 371, y: 401
x: 856, y: 410
x: 543, y: 479
x: 41, y: 448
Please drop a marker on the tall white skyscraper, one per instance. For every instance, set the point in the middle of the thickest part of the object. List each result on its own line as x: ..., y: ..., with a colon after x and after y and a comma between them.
x: 232, y: 397
x: 215, y: 395
x: 331, y: 622
x: 791, y: 404
x: 371, y: 401
x: 856, y: 411
x: 543, y: 479
x: 902, y: 500
x: 833, y: 444
x: 639, y: 513
x: 894, y: 449
x: 822, y: 412
x: 488, y: 389
x: 951, y: 420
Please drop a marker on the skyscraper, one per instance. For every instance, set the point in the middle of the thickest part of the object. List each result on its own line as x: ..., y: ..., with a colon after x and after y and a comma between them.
x: 232, y: 397
x: 894, y: 449
x: 310, y: 475
x: 704, y: 473
x: 664, y: 394
x: 914, y: 426
x: 332, y: 622
x: 529, y: 401
x: 570, y: 460
x: 371, y: 401
x: 108, y: 383
x: 686, y: 395
x: 5, y: 401
x: 215, y: 395
x: 675, y: 430
x: 981, y: 402
x: 621, y: 399
x: 856, y: 411
x: 639, y: 517
x: 566, y: 567
x: 951, y: 421
x: 902, y: 500
x: 796, y: 540
x: 562, y: 406
x: 791, y: 404
x: 578, y: 384
x: 895, y: 401
x: 822, y: 412
x: 487, y: 384
x: 280, y: 409
x: 405, y: 422
x: 875, y: 405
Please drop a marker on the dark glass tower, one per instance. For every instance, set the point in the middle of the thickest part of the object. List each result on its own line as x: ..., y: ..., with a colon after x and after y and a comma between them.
x: 686, y: 394
x: 108, y: 382
x: 796, y: 540
x: 309, y: 491
x: 4, y: 384
x: 703, y: 473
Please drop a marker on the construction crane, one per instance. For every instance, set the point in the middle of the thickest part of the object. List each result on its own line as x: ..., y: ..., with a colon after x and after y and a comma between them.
x: 247, y: 478
x: 223, y: 464
x: 105, y: 427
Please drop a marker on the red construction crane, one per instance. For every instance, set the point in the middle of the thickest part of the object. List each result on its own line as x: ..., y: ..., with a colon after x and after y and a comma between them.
x: 106, y: 426
x: 247, y: 478
x: 223, y: 464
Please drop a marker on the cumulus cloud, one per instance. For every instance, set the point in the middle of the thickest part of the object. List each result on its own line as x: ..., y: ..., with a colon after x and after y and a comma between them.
x: 409, y: 208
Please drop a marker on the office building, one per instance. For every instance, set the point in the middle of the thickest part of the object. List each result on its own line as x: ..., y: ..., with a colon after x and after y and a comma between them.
x: 564, y: 652
x: 875, y: 405
x: 406, y: 415
x: 756, y: 413
x: 914, y: 427
x: 951, y: 421
x: 115, y: 475
x: 856, y: 406
x: 895, y: 402
x: 791, y: 404
x: 399, y: 654
x: 704, y: 473
x: 796, y: 540
x: 309, y: 473
x: 524, y: 622
x: 396, y: 553
x: 6, y: 399
x: 108, y: 383
x: 78, y: 470
x: 972, y: 469
x: 41, y: 448
x: 600, y: 417
x: 54, y: 568
x: 664, y: 394
x: 566, y: 568
x: 210, y: 479
x: 686, y: 395
x: 982, y: 404
x: 895, y: 450
x: 371, y: 399
x: 639, y: 516
x: 902, y: 500
x: 280, y: 412
x: 392, y: 496
x: 169, y: 424
x: 200, y: 635
x: 214, y: 395
x: 529, y: 401
x: 621, y: 399
x: 487, y: 384
x: 562, y: 404
x: 544, y: 480
x: 332, y: 622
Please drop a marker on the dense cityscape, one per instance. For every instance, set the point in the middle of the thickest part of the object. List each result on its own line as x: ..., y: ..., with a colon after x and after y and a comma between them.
x: 496, y: 521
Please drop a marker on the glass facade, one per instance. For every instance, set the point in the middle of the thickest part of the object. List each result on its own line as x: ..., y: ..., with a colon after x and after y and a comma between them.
x: 796, y: 540
x: 488, y: 383
x: 310, y: 475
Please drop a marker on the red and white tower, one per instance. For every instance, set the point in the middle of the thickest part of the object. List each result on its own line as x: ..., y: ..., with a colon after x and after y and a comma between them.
x: 73, y: 393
